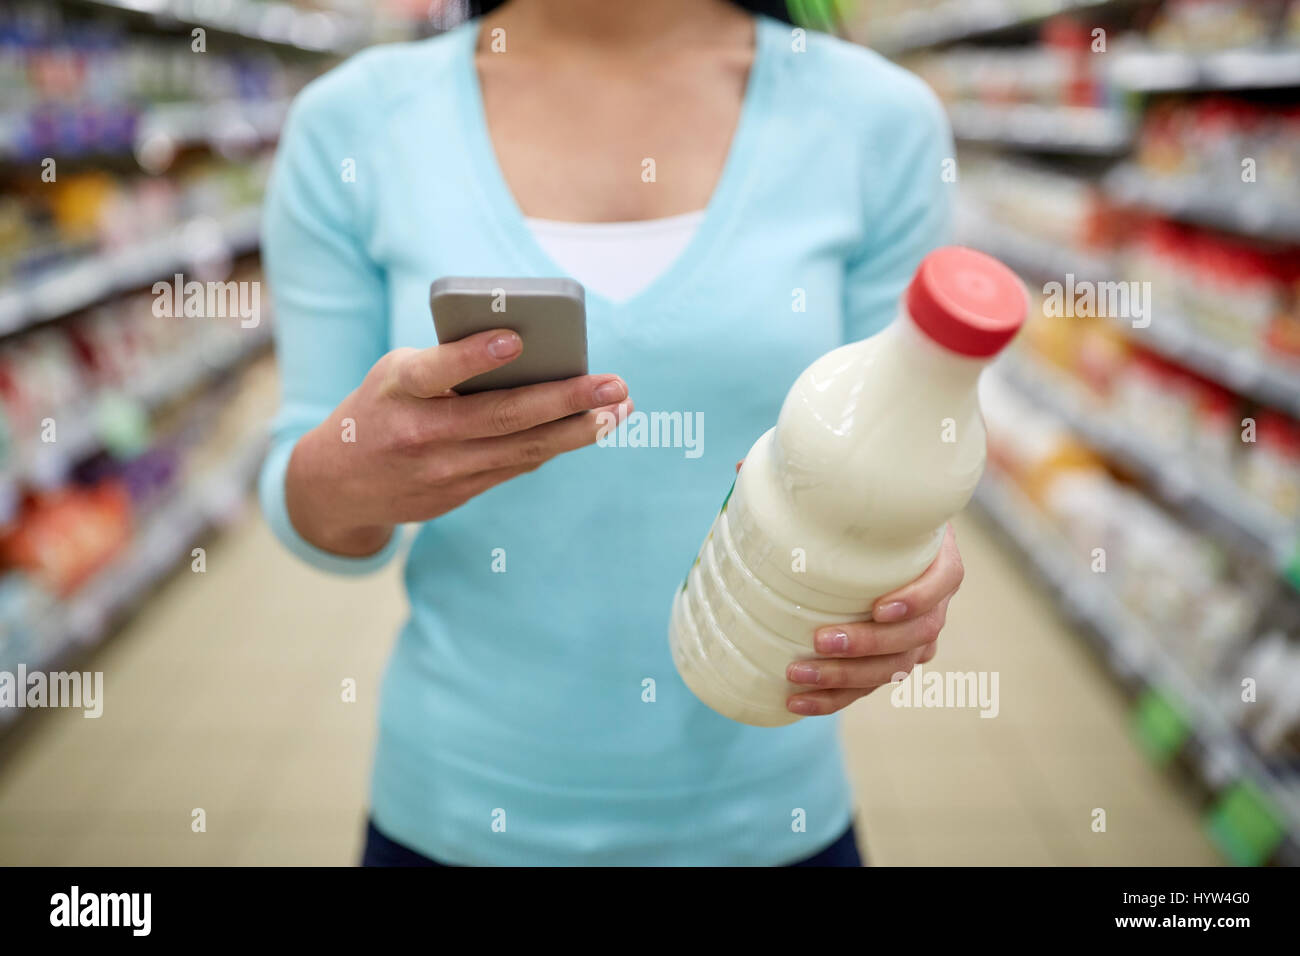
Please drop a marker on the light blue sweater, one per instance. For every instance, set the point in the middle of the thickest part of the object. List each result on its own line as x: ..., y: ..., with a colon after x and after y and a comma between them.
x: 532, y: 715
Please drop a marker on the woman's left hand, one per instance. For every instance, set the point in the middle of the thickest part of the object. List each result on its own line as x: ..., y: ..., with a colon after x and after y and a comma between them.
x: 864, y: 655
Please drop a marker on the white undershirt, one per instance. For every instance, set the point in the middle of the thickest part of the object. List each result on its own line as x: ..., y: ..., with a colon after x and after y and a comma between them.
x: 617, y: 260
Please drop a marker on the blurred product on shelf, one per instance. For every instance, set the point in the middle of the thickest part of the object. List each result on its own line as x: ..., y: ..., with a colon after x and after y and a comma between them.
x: 1073, y: 89
x: 47, y: 225
x: 1063, y: 71
x: 1221, y: 143
x: 1205, y: 607
x: 77, y: 374
x: 75, y: 85
x: 62, y: 537
x: 1056, y: 96
x: 1185, y: 26
x: 73, y: 556
x: 1272, y: 472
x: 1272, y: 719
x: 133, y: 160
x: 1172, y: 410
x: 1067, y: 211
x: 23, y: 606
x: 316, y: 26
x: 897, y: 26
x: 1200, y: 25
x: 1239, y: 293
x: 1121, y: 436
x: 1194, y: 603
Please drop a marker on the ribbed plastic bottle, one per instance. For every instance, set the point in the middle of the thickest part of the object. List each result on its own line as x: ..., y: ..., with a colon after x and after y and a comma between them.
x: 877, y: 445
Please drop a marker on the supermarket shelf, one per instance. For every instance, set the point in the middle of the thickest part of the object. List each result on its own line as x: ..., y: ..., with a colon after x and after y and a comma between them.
x: 163, y: 541
x: 213, y: 123
x: 1185, y: 483
x: 1031, y: 256
x: 1155, y: 71
x: 1082, y: 130
x: 85, y: 282
x: 1251, y: 211
x: 963, y: 20
x: 1241, y: 370
x: 217, y: 124
x: 281, y: 24
x: 1220, y: 753
x: 1238, y: 369
x: 44, y: 465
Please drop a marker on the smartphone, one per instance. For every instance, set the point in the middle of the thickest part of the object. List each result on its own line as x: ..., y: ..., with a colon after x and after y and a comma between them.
x: 549, y: 315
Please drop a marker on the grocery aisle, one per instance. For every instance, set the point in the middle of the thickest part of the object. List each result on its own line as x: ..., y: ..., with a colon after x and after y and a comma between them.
x: 1133, y: 554
x: 135, y: 390
x: 225, y: 694
x: 948, y: 787
x: 1134, y: 162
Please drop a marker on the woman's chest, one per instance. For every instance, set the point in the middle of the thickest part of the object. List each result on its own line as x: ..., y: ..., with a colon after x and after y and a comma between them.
x: 630, y: 146
x: 752, y: 298
x: 740, y: 307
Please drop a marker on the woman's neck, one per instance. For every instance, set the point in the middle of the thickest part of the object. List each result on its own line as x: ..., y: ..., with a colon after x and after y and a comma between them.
x: 618, y: 27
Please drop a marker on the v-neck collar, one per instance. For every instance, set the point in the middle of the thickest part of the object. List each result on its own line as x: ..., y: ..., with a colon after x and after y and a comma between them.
x: 511, y: 223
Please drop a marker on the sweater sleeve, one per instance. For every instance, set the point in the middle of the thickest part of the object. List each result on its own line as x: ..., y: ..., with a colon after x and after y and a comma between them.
x: 911, y: 177
x: 329, y: 296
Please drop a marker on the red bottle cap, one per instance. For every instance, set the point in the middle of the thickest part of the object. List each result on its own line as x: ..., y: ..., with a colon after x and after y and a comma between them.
x: 966, y: 301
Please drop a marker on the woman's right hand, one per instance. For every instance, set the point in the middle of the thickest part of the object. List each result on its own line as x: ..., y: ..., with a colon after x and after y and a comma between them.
x: 405, y: 447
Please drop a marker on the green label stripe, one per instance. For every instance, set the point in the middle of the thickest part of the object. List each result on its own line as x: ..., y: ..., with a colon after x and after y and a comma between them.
x: 1160, y: 725
x: 1245, y: 825
x: 1292, y: 570
x: 696, y: 562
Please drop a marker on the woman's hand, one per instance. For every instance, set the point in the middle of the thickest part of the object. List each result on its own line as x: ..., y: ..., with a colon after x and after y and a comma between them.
x: 405, y: 447
x: 903, y: 632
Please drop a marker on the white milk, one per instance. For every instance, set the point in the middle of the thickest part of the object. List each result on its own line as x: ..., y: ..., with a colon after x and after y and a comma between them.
x: 878, y: 444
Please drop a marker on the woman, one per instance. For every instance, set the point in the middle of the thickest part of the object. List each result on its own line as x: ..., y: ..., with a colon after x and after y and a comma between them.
x: 750, y: 201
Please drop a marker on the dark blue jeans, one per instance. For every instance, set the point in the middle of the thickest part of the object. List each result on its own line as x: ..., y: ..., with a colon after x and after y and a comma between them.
x: 382, y: 851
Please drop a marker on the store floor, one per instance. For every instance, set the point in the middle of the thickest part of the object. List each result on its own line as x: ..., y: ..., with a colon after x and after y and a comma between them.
x: 224, y: 693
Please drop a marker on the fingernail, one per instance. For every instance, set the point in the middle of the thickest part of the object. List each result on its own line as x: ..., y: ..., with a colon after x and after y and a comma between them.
x: 893, y: 611
x: 504, y: 345
x: 611, y: 392
x: 802, y: 705
x: 803, y: 674
x: 831, y: 642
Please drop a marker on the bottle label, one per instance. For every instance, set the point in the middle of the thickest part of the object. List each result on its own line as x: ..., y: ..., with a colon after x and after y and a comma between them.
x: 686, y: 580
